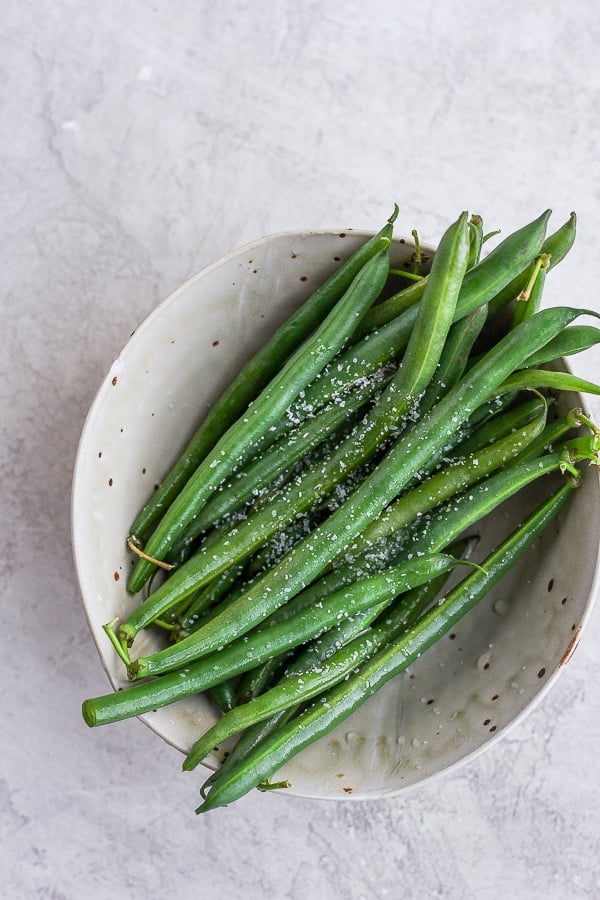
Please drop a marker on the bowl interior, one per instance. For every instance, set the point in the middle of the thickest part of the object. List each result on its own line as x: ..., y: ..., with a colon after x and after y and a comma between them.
x: 462, y: 694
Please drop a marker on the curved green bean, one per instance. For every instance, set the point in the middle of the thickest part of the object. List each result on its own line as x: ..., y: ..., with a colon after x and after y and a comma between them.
x: 573, y: 339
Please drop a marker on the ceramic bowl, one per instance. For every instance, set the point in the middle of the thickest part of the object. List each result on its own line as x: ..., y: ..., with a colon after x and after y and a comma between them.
x: 462, y: 695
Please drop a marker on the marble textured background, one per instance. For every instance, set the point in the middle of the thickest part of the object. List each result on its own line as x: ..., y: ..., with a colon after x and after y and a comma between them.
x: 140, y: 141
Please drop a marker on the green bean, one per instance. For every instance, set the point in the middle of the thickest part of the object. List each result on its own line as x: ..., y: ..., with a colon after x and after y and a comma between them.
x: 281, y: 456
x: 342, y: 699
x: 529, y: 300
x: 500, y: 426
x: 420, y: 360
x: 553, y: 433
x: 239, y: 656
x: 466, y: 471
x: 414, y: 602
x: 572, y: 340
x: 378, y: 348
x: 485, y: 280
x: 454, y: 357
x: 405, y: 458
x: 434, y: 320
x: 556, y: 246
x: 298, y: 687
x: 271, y: 403
x: 257, y: 373
x: 533, y: 379
x: 222, y: 695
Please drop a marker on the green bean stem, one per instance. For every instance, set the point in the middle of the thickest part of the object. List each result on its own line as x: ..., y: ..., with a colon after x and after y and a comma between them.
x: 529, y: 300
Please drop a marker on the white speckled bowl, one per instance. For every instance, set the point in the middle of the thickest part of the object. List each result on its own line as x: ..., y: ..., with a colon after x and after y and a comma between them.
x: 466, y: 691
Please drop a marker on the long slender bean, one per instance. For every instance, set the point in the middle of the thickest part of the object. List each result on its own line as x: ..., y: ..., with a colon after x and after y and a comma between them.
x: 413, y: 604
x: 311, y: 556
x: 257, y: 373
x: 454, y: 357
x: 389, y: 340
x: 531, y: 379
x: 342, y: 699
x: 554, y: 432
x: 493, y: 273
x: 423, y: 351
x: 572, y: 340
x: 301, y: 686
x: 271, y: 403
x: 281, y: 456
x: 239, y: 656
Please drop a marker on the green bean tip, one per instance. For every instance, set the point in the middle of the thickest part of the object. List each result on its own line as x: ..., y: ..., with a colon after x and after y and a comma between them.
x: 118, y: 644
x: 394, y: 215
x: 273, y: 785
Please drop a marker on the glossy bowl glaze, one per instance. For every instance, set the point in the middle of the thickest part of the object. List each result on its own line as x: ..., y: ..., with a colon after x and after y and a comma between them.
x: 467, y: 690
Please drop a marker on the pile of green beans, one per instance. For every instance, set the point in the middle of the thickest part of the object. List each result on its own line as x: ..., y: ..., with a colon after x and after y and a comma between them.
x: 308, y: 529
